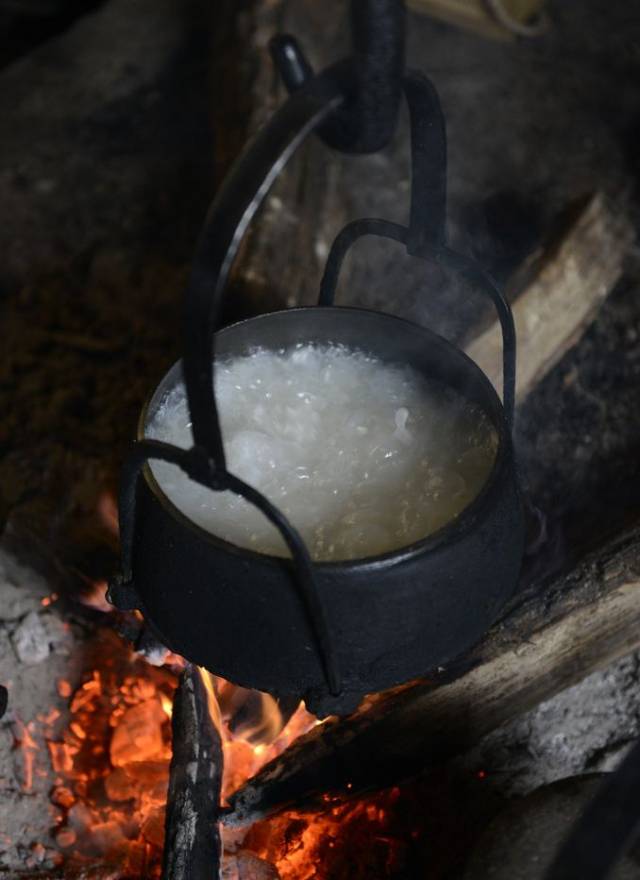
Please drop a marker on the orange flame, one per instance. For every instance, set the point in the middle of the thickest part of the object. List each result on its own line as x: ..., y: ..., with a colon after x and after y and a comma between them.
x: 112, y: 767
x: 167, y: 705
x: 212, y: 700
x: 253, y: 716
x: 270, y: 724
x: 28, y: 747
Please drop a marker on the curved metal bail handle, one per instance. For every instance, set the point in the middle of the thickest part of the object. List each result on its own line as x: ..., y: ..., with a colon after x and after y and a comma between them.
x: 368, y: 119
x: 229, y: 216
x: 425, y: 236
x: 478, y: 277
x: 198, y: 468
x: 428, y: 211
x: 427, y: 232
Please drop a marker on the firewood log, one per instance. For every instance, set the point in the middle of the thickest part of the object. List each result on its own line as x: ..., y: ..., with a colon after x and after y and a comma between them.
x: 572, y: 277
x: 554, y: 635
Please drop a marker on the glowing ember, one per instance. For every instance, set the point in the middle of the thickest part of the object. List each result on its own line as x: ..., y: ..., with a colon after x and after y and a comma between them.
x: 64, y: 688
x: 360, y: 840
x: 113, y: 760
x: 112, y: 769
x: 112, y: 764
x: 25, y: 743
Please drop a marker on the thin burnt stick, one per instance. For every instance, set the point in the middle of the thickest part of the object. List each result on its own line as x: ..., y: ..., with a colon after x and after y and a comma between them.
x: 192, y: 849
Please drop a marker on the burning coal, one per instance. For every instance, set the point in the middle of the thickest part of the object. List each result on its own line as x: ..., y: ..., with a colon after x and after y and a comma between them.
x: 111, y: 769
x: 108, y: 758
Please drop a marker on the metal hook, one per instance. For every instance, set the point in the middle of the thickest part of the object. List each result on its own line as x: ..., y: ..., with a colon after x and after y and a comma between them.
x: 367, y: 122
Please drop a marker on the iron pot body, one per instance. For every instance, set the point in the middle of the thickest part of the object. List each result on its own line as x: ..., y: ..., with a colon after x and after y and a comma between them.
x: 392, y: 617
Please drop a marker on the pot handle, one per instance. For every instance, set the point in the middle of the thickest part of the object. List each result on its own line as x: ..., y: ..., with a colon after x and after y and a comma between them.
x: 225, y: 225
x: 425, y: 237
x: 197, y: 466
x: 231, y: 212
x: 229, y: 216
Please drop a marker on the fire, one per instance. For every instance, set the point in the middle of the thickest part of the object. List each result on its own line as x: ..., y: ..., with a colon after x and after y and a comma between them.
x: 359, y: 840
x: 111, y: 756
x: 167, y: 705
x: 212, y: 701
x: 111, y: 768
x: 24, y: 742
x: 253, y: 728
x: 112, y: 763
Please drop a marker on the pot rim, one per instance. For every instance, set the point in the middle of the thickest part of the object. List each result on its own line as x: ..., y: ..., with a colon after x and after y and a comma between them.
x: 452, y: 531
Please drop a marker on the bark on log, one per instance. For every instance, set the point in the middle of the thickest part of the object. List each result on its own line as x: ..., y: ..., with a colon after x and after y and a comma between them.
x: 556, y: 307
x: 553, y: 636
x: 192, y: 849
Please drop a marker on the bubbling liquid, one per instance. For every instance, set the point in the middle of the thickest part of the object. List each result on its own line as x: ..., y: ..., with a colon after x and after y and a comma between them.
x: 362, y: 456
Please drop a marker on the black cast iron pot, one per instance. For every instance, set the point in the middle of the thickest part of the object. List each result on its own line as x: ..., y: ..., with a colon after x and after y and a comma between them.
x: 329, y: 632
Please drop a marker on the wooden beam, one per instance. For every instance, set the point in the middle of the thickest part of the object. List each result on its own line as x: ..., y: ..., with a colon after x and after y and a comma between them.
x: 573, y: 277
x: 553, y: 636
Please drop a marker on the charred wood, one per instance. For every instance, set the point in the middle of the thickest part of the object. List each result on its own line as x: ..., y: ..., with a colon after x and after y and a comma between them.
x: 554, y: 635
x: 192, y: 837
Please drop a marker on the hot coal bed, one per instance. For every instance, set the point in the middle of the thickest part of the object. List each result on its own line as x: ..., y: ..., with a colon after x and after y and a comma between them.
x: 432, y: 776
